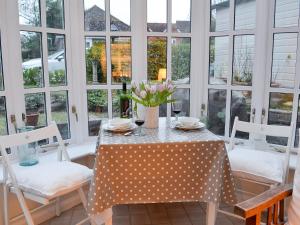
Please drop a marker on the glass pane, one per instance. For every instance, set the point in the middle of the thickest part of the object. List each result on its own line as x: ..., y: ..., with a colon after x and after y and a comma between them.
x: 157, y: 58
x: 280, y: 109
x: 55, y: 14
x: 284, y: 60
x: 56, y: 60
x: 218, y: 60
x: 216, y: 111
x: 97, y: 109
x: 95, y: 57
x: 3, y: 118
x: 157, y: 15
x: 120, y: 59
x: 184, y: 96
x: 60, y: 112
x: 116, y: 102
x: 297, y: 126
x: 280, y: 113
x: 181, y: 16
x: 35, y: 110
x: 1, y: 71
x: 163, y: 110
x: 219, y: 15
x: 120, y: 15
x: 286, y: 13
x: 31, y: 43
x: 240, y: 107
x: 244, y: 50
x: 94, y: 15
x: 245, y: 14
x: 29, y: 12
x: 181, y: 60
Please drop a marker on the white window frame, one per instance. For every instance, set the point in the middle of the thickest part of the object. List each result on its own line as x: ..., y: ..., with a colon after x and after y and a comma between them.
x: 6, y: 92
x: 257, y: 87
x: 169, y: 35
x: 269, y: 56
x: 14, y: 62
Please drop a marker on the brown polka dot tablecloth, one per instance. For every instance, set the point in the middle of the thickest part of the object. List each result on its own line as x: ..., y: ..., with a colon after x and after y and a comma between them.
x: 160, y: 170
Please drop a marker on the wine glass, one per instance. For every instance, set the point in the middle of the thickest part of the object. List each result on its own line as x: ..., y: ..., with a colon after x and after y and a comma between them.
x: 176, y: 108
x: 139, y: 120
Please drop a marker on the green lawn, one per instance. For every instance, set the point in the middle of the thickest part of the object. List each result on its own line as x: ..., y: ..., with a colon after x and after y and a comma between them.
x: 2, y: 125
x: 59, y: 117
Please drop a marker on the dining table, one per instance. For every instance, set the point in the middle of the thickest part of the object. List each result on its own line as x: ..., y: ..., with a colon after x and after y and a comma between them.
x: 164, y: 165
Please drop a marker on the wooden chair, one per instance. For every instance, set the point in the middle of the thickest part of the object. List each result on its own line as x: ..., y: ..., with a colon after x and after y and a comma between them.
x: 44, y: 182
x: 262, y: 166
x: 271, y: 200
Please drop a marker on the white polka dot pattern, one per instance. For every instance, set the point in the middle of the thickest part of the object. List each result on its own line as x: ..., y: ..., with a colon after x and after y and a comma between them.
x: 161, y: 172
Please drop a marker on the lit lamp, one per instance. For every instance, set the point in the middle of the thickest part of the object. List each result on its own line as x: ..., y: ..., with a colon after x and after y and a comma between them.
x: 162, y: 74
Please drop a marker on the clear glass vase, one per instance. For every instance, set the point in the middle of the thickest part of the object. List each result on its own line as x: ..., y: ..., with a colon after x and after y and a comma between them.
x: 27, y: 154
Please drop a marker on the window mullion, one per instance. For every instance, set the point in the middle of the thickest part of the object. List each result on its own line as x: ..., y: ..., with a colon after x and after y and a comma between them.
x: 296, y: 90
x: 13, y: 64
x: 139, y: 39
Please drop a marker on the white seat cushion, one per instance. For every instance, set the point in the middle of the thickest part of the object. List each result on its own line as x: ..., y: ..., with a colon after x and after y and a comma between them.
x: 257, y: 165
x: 51, y: 179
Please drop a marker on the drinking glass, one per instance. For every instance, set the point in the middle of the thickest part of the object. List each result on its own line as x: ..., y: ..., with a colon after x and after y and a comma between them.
x: 139, y: 120
x: 176, y: 108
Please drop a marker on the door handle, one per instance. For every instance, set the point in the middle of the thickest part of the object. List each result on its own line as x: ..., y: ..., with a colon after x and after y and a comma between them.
x: 253, y: 112
x: 263, y: 115
x: 13, y: 121
x: 74, y: 111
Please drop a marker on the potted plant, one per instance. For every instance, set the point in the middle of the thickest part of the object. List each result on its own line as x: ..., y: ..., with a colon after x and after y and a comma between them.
x: 151, y: 96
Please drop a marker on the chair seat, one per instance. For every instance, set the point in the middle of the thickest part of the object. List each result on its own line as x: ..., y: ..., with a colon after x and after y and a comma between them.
x: 52, y: 179
x: 261, y: 166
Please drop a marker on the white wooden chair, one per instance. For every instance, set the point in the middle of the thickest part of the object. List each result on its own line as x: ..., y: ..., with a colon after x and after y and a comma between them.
x: 264, y: 166
x: 44, y: 182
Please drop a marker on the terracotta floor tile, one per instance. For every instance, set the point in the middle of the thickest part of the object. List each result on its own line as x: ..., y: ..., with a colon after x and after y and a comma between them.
x: 138, y: 219
x: 150, y: 214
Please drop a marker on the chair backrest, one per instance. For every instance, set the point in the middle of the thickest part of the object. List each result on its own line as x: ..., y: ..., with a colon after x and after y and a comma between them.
x: 14, y: 140
x: 267, y: 130
x: 262, y: 129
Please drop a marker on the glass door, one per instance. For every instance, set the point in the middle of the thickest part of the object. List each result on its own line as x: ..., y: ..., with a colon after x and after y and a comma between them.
x: 46, y: 74
x: 282, y: 87
x: 230, y: 71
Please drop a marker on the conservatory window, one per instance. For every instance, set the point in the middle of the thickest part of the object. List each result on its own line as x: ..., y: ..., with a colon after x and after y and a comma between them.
x: 3, y: 116
x: 169, y: 48
x: 231, y: 63
x: 44, y: 65
x: 283, y: 83
x: 108, y: 57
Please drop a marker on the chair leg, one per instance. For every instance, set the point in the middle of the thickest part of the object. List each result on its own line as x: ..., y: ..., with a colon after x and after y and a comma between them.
x: 83, y: 198
x: 24, y: 207
x: 5, y: 204
x: 57, y: 207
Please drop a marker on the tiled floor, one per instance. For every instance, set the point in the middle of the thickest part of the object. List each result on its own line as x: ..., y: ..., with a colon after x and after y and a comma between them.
x: 150, y: 214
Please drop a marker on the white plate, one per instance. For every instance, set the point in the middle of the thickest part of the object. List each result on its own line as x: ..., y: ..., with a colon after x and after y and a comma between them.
x: 120, y: 122
x: 110, y: 128
x: 197, y: 126
x: 188, y: 121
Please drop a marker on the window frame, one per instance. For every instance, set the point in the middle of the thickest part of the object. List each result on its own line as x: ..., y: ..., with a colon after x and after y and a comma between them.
x: 13, y: 64
x: 267, y: 87
x: 229, y: 86
x: 169, y: 35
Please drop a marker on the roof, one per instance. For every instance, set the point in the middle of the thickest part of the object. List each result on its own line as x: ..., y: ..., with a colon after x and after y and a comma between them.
x: 94, y: 20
